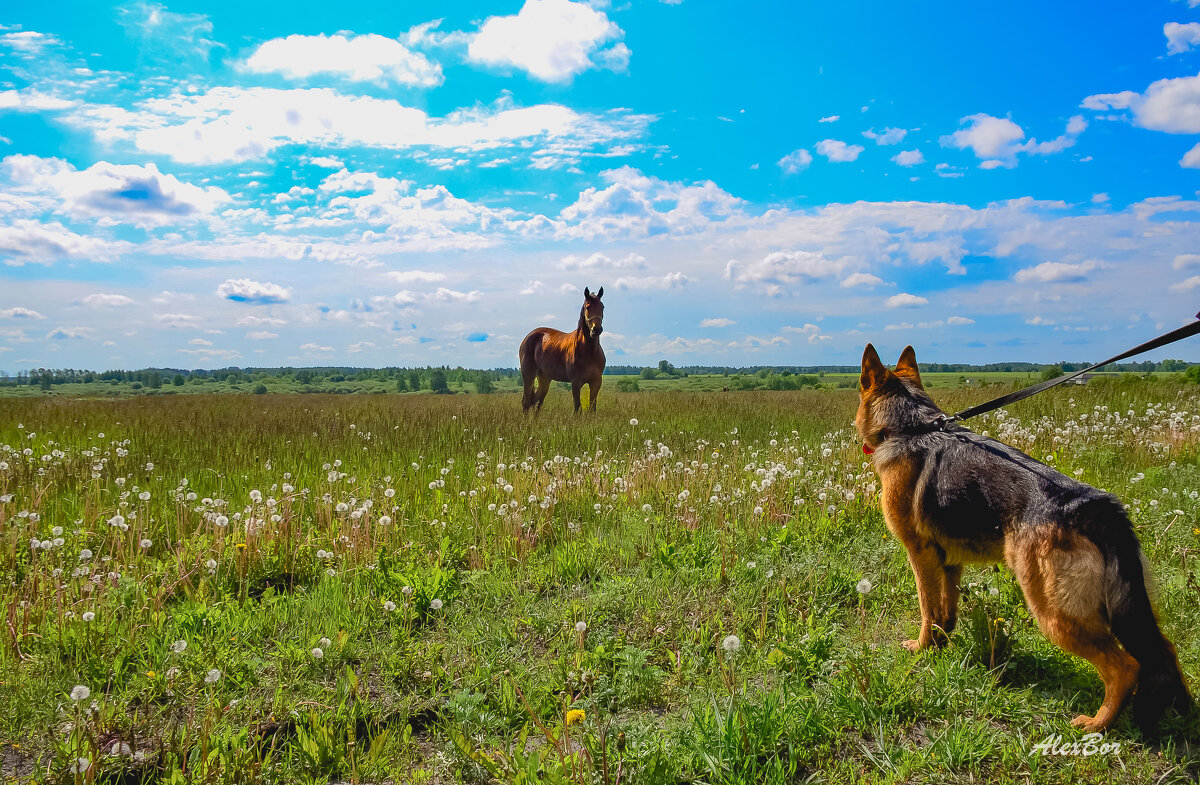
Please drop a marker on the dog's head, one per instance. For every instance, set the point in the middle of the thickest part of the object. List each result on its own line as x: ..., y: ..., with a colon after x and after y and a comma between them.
x: 889, y: 401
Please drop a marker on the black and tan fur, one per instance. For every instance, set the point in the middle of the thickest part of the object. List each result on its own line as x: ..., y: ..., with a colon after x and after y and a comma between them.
x: 953, y: 497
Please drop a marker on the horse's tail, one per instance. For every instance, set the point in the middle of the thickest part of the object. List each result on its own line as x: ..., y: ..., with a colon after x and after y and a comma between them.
x: 528, y: 365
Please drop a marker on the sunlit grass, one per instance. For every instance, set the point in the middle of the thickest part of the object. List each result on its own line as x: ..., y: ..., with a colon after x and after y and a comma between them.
x: 326, y: 588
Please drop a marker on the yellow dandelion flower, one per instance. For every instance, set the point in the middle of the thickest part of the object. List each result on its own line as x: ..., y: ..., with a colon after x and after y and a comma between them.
x: 241, y: 546
x: 574, y: 716
x: 151, y: 674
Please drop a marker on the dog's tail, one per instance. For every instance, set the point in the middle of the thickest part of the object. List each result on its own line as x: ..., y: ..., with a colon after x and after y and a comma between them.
x: 1160, y: 682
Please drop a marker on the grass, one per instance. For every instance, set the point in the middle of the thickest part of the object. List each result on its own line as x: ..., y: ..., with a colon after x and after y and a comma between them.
x: 416, y: 588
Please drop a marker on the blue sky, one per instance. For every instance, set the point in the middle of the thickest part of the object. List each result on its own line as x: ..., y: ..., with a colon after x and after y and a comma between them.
x: 202, y: 185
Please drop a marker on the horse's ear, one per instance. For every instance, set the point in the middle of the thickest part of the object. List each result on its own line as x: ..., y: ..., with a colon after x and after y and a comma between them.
x: 586, y: 293
x: 600, y: 293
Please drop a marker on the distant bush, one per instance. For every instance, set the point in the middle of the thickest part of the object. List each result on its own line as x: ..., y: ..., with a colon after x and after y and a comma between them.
x: 261, y: 389
x: 627, y: 385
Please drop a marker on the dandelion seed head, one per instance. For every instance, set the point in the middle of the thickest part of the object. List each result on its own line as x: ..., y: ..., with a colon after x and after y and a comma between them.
x: 80, y: 693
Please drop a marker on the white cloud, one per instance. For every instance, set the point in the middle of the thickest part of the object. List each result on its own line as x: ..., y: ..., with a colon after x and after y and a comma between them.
x: 1191, y: 159
x: 783, y: 268
x: 445, y: 295
x: 998, y: 139
x: 259, y: 321
x: 987, y: 136
x: 676, y: 280
x: 239, y: 124
x: 1187, y: 285
x: 838, y: 151
x: 261, y: 335
x: 908, y: 158
x: 1185, y: 260
x: 865, y: 280
x: 99, y: 300
x: 551, y: 40
x: 905, y: 300
x: 717, y: 322
x: 28, y: 42
x: 833, y: 118
x: 1181, y: 37
x: 1170, y: 105
x: 315, y: 348
x: 407, y: 277
x: 959, y: 320
x: 360, y: 346
x: 1058, y: 272
x: 200, y: 342
x: 27, y: 241
x: 361, y: 58
x: 599, y: 261
x: 178, y: 321
x: 139, y: 194
x: 327, y: 162
x: 244, y: 290
x: 795, y: 161
x: 20, y: 313
x: 69, y: 333
x: 807, y: 329
x: 887, y: 136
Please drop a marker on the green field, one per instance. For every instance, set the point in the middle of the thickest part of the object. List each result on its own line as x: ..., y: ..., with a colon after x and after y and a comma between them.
x: 429, y: 589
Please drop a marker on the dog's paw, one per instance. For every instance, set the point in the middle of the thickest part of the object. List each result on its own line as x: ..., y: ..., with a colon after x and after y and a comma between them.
x: 913, y: 646
x: 1089, y: 724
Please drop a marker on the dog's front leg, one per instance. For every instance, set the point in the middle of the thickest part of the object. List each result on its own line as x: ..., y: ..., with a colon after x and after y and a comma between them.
x: 930, y: 572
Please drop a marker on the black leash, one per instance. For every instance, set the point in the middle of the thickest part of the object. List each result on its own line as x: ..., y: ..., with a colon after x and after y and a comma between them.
x: 1175, y: 335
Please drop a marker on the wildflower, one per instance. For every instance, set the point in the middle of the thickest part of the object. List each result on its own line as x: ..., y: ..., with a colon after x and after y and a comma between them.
x: 731, y: 644
x: 407, y: 591
x: 633, y: 421
x: 211, y: 564
x: 256, y: 496
x: 758, y: 510
x: 120, y: 748
x: 80, y: 766
x: 864, y: 586
x: 317, y: 653
x: 85, y: 554
x: 581, y: 627
x: 646, y: 508
x: 57, y: 531
x: 325, y: 642
x: 146, y: 543
x: 212, y: 677
x: 179, y: 646
x: 389, y: 606
x: 992, y: 590
x: 751, y: 565
x: 384, y: 520
x: 80, y: 693
x: 89, y: 616
x: 575, y: 716
x: 222, y: 521
x: 390, y: 492
x: 435, y: 604
x: 241, y: 546
x: 144, y: 496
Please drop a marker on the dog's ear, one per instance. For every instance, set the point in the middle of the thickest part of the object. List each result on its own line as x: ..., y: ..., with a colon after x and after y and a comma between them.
x: 874, y: 372
x: 906, y: 366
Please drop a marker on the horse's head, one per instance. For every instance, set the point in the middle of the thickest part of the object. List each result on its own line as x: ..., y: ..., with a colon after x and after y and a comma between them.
x: 591, y: 317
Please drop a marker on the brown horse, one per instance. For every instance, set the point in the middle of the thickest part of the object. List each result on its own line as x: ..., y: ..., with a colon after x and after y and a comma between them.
x: 576, y: 357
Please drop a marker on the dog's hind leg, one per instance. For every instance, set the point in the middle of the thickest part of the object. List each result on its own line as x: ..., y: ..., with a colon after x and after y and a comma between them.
x: 947, y: 618
x: 1063, y: 584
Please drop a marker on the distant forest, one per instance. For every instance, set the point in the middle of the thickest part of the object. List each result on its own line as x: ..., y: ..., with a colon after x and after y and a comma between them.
x: 438, y: 378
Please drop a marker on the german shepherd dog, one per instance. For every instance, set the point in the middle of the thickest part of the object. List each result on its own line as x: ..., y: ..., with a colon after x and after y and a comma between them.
x: 953, y: 497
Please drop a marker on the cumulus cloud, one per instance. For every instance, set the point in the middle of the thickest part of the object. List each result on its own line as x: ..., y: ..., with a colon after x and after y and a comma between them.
x: 27, y: 241
x: 833, y: 118
x: 795, y: 161
x: 905, y: 300
x: 129, y: 192
x: 444, y: 295
x: 600, y: 261
x: 783, y: 268
x: 1181, y: 37
x: 908, y: 158
x: 998, y: 140
x: 887, y: 135
x: 676, y: 280
x: 261, y: 335
x: 863, y: 280
x: 238, y: 124
x: 20, y: 313
x: 99, y: 300
x: 178, y: 321
x: 1191, y: 159
x: 69, y: 333
x: 551, y: 40
x: 1170, y: 105
x: 244, y: 290
x: 838, y: 151
x: 407, y: 277
x: 1186, y: 285
x: 717, y: 322
x: 1058, y: 272
x: 361, y: 58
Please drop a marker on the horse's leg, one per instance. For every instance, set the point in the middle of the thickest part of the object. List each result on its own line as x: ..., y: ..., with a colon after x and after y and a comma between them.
x: 527, y: 397
x: 576, y: 387
x: 594, y: 391
x: 543, y: 387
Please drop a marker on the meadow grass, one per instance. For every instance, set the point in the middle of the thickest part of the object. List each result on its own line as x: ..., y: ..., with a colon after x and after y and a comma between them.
x: 403, y: 588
